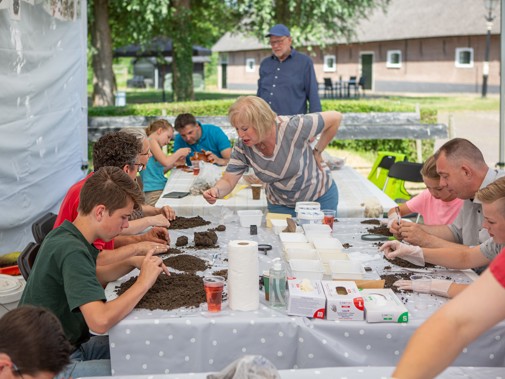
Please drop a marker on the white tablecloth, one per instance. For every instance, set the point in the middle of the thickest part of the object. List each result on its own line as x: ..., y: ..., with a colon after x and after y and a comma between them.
x: 353, y: 188
x: 161, y: 342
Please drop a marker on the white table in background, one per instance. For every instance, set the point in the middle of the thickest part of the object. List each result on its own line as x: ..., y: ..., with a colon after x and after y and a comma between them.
x: 353, y: 188
x: 182, y: 341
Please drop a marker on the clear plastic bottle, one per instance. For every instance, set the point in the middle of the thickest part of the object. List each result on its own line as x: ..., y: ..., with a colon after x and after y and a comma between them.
x: 277, y: 283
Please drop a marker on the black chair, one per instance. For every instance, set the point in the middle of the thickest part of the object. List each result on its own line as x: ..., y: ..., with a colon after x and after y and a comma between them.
x: 352, y: 84
x: 27, y: 258
x: 398, y: 174
x: 328, y: 88
x: 361, y: 84
x: 42, y: 226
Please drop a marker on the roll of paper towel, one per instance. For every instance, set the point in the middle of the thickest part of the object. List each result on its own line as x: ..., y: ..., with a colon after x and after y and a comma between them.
x: 243, y: 275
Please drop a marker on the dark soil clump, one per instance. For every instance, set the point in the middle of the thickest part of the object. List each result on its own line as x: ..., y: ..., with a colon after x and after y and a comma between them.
x: 223, y: 273
x: 219, y: 228
x: 389, y: 279
x: 188, y: 222
x: 205, y: 239
x: 181, y: 241
x: 382, y: 230
x: 173, y: 251
x: 170, y: 292
x: 346, y: 245
x: 186, y: 263
x: 378, y: 244
x: 371, y: 222
x: 403, y: 263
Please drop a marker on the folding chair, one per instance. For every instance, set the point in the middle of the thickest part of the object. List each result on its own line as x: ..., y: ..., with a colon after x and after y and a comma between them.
x: 383, y: 162
x: 328, y: 88
x: 42, y: 226
x: 399, y: 173
x: 27, y: 258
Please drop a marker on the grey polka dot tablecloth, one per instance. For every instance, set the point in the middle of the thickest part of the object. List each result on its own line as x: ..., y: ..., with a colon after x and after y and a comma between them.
x: 184, y: 341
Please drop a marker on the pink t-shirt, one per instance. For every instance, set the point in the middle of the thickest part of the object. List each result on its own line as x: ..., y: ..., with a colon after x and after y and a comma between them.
x: 434, y: 211
x: 497, y: 267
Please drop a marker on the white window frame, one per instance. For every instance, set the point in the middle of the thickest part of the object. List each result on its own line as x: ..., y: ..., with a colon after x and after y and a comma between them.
x: 327, y: 68
x: 459, y: 50
x: 250, y: 65
x: 390, y: 63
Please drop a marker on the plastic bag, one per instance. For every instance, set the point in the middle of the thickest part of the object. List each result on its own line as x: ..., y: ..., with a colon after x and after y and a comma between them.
x: 248, y: 367
x: 207, y: 178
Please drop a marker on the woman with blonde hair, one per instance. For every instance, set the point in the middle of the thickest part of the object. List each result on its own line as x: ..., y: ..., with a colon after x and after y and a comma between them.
x: 278, y: 149
x: 159, y: 134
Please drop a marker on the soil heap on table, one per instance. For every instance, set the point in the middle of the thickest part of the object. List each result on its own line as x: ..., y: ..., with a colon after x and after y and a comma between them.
x: 223, y: 273
x: 173, y: 251
x: 170, y: 292
x: 188, y: 222
x: 389, y: 279
x: 186, y: 263
x: 371, y: 222
x: 205, y: 239
x: 181, y: 241
x: 381, y: 230
x: 403, y: 263
x: 219, y: 228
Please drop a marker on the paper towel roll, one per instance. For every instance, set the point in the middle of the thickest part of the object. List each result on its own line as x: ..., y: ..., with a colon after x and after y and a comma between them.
x: 243, y: 274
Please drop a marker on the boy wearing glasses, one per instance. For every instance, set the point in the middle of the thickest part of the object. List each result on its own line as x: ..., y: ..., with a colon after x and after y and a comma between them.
x: 287, y: 78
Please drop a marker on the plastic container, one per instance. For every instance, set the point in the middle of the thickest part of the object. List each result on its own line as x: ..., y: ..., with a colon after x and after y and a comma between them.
x: 11, y: 289
x: 278, y: 225
x: 277, y: 284
x: 325, y: 256
x: 307, y: 206
x: 292, y: 237
x: 297, y: 253
x: 346, y: 269
x: 327, y: 244
x: 309, y: 217
x: 317, y: 228
x: 306, y: 269
x: 10, y: 270
x: 312, y: 236
x: 248, y: 218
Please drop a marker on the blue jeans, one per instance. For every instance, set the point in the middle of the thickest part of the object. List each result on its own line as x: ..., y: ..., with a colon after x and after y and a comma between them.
x: 92, y: 358
x: 328, y: 201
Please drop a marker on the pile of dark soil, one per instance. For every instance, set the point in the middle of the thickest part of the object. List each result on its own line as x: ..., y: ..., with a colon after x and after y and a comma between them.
x: 382, y: 230
x: 391, y: 278
x: 219, y: 228
x: 186, y: 263
x: 371, y: 222
x: 174, y: 251
x: 205, y: 239
x: 188, y: 222
x: 170, y: 292
x: 346, y: 245
x: 403, y: 263
x: 223, y: 273
x: 181, y: 241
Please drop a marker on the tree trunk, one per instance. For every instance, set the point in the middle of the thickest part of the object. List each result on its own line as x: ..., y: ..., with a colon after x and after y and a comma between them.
x: 104, y: 84
x: 182, y: 52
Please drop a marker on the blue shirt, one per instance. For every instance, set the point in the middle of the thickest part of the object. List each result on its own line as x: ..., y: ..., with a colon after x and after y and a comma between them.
x: 153, y: 176
x: 213, y: 139
x: 288, y: 85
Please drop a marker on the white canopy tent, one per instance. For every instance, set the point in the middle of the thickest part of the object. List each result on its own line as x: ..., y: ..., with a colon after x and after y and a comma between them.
x: 43, y: 110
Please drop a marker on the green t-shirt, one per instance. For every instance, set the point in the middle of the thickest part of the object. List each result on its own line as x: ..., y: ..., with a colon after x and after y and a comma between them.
x: 63, y: 278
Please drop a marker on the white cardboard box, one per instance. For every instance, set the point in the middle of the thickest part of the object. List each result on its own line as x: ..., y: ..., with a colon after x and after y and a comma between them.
x: 382, y: 305
x: 343, y: 300
x: 306, y: 298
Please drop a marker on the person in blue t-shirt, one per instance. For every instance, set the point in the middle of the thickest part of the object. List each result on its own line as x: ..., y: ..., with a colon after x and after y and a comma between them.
x: 206, y: 138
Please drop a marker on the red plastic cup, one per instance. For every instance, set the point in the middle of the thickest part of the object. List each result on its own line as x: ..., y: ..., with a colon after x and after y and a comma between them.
x: 214, y: 292
x: 329, y: 217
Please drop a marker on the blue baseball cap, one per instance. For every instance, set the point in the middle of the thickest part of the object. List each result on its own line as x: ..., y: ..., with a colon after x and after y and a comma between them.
x: 279, y: 30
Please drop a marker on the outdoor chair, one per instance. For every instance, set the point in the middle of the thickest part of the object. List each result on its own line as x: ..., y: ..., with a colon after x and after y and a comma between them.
x: 27, y: 258
x: 328, y: 88
x: 42, y: 226
x: 399, y: 173
x: 361, y: 85
x: 380, y: 168
x: 352, y: 84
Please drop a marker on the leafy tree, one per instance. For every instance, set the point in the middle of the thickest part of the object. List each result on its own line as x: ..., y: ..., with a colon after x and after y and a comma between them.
x: 202, y: 22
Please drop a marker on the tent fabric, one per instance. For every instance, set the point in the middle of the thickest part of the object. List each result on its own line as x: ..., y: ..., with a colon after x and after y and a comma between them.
x: 43, y: 113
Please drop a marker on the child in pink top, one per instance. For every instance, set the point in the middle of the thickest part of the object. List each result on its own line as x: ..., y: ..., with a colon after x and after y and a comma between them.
x: 436, y: 204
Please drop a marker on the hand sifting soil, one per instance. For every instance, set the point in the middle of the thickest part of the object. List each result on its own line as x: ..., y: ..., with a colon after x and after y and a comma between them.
x: 403, y: 263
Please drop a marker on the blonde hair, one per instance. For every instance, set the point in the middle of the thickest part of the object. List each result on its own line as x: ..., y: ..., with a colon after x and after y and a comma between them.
x: 492, y: 192
x: 158, y: 124
x: 253, y: 111
x: 429, y: 169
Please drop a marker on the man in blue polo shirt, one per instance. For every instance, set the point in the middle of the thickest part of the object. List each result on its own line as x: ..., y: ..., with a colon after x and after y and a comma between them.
x: 198, y: 137
x: 287, y: 78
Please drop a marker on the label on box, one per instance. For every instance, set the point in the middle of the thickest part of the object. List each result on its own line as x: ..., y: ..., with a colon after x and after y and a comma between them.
x: 382, y: 305
x: 306, y: 298
x: 343, y: 300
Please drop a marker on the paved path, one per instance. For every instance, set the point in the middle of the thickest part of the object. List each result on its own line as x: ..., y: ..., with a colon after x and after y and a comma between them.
x: 482, y: 128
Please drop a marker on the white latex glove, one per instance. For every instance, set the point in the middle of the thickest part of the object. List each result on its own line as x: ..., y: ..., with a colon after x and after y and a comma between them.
x: 439, y: 287
x: 410, y: 253
x: 391, y: 219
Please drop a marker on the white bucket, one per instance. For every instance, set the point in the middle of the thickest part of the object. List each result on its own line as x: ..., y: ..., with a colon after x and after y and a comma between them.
x: 309, y: 217
x: 11, y: 289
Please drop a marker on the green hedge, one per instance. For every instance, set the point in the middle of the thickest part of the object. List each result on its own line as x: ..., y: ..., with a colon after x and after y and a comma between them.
x: 220, y: 107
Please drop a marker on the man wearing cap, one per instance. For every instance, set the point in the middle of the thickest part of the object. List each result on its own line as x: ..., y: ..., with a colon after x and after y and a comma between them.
x: 287, y: 78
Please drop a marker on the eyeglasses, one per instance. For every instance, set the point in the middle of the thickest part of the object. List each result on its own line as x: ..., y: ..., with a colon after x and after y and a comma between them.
x: 140, y: 166
x: 278, y: 41
x: 15, y: 369
x: 147, y: 152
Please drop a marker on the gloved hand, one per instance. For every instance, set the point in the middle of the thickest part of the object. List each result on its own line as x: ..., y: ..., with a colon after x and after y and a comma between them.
x: 439, y: 287
x: 410, y: 253
x: 391, y: 219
